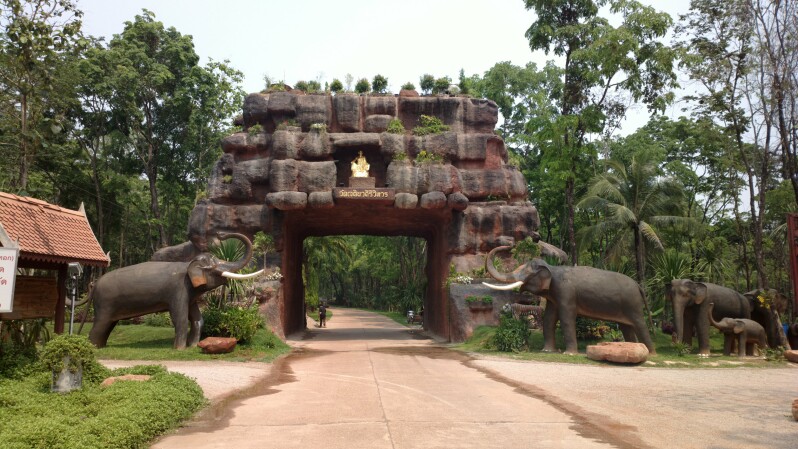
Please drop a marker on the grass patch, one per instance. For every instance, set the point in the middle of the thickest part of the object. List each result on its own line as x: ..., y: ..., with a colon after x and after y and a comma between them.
x: 124, y: 415
x: 667, y: 354
x: 143, y: 342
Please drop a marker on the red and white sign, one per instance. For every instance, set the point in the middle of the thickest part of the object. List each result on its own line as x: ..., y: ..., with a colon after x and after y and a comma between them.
x: 8, y: 273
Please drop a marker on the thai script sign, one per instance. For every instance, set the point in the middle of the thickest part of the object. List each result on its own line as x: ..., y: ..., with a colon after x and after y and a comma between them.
x: 379, y: 196
x: 8, y: 272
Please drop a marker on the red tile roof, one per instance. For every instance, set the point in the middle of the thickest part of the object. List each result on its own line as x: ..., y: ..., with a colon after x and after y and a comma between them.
x: 49, y: 233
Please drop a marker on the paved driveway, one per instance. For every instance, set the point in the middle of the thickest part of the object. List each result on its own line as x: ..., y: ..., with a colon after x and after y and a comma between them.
x: 366, y: 382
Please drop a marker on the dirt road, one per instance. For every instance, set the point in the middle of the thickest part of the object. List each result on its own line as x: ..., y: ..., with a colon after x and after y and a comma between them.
x: 367, y: 382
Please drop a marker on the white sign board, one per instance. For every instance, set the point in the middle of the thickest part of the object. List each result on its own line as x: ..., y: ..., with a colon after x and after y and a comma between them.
x: 8, y: 273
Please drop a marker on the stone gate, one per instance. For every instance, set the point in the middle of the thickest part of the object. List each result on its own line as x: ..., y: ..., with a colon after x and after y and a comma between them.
x: 289, y: 173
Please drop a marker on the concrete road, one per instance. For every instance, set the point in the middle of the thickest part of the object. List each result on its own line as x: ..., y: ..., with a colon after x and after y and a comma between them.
x: 366, y: 382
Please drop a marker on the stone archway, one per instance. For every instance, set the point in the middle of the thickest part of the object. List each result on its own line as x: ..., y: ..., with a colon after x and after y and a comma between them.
x: 288, y: 173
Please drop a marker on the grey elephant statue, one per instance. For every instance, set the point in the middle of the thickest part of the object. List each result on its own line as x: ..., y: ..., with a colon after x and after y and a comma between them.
x: 744, y: 332
x: 691, y: 302
x: 768, y: 314
x: 578, y: 291
x: 152, y: 287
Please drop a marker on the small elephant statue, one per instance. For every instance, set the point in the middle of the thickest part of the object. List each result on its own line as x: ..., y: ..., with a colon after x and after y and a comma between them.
x: 690, y: 304
x: 156, y: 286
x: 746, y: 333
x: 578, y: 291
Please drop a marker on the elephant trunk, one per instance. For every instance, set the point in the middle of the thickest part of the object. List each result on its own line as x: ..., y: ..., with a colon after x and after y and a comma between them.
x: 711, y: 318
x: 233, y: 266
x: 515, y: 276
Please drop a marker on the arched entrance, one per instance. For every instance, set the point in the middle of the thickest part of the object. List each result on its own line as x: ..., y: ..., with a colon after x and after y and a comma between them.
x: 289, y: 172
x: 366, y: 220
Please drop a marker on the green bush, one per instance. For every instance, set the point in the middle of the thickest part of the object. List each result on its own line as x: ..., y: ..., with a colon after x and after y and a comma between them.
x: 15, y: 360
x: 425, y: 157
x: 512, y: 335
x: 395, y: 126
x: 408, y: 86
x: 124, y: 415
x: 589, y: 329
x: 441, y: 85
x: 158, y: 319
x: 429, y: 125
x: 240, y: 323
x: 336, y: 86
x: 77, y: 347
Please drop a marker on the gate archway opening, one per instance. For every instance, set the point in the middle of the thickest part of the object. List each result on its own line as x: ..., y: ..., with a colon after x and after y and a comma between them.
x: 429, y: 225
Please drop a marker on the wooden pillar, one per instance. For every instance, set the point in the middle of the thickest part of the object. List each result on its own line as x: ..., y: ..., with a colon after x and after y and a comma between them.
x: 60, y: 306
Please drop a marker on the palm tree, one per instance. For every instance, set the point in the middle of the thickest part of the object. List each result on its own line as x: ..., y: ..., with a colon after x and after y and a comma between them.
x: 632, y: 199
x: 318, y: 254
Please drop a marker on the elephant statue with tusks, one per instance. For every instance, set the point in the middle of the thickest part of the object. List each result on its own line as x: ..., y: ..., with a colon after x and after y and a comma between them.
x: 578, y: 291
x: 152, y: 287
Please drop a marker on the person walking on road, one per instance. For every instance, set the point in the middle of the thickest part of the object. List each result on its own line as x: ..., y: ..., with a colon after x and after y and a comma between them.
x: 322, y: 316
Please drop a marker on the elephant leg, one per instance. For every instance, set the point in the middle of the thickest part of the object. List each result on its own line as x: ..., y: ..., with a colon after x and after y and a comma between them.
x: 178, y: 311
x: 702, y: 329
x: 195, y: 319
x: 100, y: 331
x: 549, y: 327
x: 741, y: 344
x: 643, y: 336
x: 568, y: 328
x: 728, y: 344
x: 689, y: 325
x: 628, y: 332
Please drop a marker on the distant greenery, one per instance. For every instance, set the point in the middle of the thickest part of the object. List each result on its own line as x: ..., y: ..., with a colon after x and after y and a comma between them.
x: 336, y: 86
x: 427, y: 82
x: 475, y: 299
x: 238, y: 322
x: 425, y: 156
x: 408, y: 86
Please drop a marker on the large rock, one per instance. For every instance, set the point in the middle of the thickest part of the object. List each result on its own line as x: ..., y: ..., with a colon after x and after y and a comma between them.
x: 405, y: 201
x: 287, y: 200
x: 284, y: 145
x: 284, y: 175
x: 316, y: 176
x: 217, y: 345
x: 377, y: 123
x: 618, y: 352
x: 791, y: 355
x: 313, y: 109
x: 402, y: 176
x: 433, y: 200
x: 346, y: 108
x: 316, y: 145
x: 795, y: 409
x: 256, y: 109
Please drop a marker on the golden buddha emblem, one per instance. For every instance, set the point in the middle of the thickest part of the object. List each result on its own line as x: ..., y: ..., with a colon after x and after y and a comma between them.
x: 360, y: 168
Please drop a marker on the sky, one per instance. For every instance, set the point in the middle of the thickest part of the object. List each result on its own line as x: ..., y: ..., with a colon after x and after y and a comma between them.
x: 323, y: 39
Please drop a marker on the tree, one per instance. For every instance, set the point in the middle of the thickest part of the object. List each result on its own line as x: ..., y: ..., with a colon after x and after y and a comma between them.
x: 39, y: 38
x: 426, y: 83
x: 633, y: 198
x: 362, y: 86
x: 379, y: 84
x: 336, y: 86
x: 600, y: 61
x: 441, y: 85
x: 169, y: 109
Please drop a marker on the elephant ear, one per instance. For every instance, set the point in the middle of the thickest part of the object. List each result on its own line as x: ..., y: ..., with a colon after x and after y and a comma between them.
x: 700, y: 290
x: 196, y: 272
x: 739, y: 326
x: 544, y: 274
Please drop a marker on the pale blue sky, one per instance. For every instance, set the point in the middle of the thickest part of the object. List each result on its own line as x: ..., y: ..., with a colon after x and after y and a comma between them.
x: 321, y: 39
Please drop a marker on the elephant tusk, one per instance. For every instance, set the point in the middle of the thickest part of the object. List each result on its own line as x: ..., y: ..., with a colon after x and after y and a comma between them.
x: 505, y: 287
x: 230, y: 275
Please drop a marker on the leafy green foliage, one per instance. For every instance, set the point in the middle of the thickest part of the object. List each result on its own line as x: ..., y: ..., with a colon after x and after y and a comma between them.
x: 479, y: 299
x: 238, y: 322
x: 77, y: 347
x: 255, y: 129
x: 589, y: 329
x: 525, y: 250
x: 379, y: 84
x: 429, y: 125
x: 426, y: 82
x: 441, y: 85
x: 158, y: 320
x: 126, y: 414
x: 512, y: 335
x: 408, y: 86
x: 336, y: 86
x: 426, y: 157
x: 362, y: 86
x: 395, y: 126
